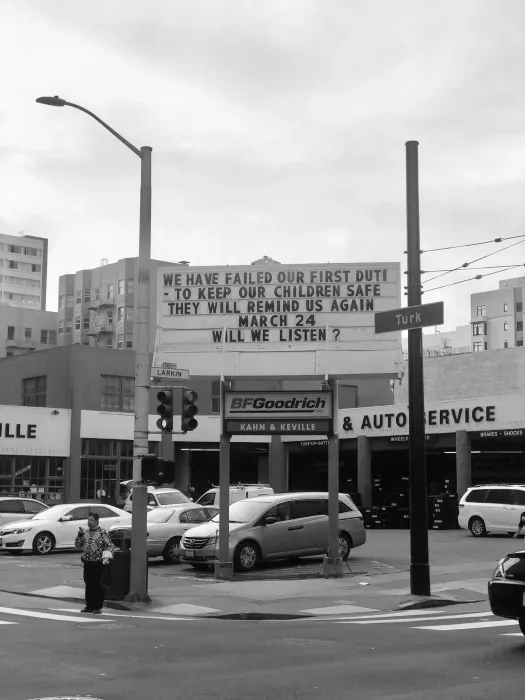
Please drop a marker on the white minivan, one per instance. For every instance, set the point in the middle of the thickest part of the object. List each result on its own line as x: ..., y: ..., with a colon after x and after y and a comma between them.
x: 492, y: 508
x: 237, y: 493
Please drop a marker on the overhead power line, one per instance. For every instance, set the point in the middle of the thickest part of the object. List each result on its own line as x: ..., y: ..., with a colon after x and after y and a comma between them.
x: 477, y: 277
x: 467, y: 245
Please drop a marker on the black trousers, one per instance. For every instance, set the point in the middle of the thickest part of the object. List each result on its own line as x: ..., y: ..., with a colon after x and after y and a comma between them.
x: 94, y: 591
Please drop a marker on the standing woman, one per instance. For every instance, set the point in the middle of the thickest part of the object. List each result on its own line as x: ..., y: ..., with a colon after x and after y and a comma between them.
x: 96, y: 544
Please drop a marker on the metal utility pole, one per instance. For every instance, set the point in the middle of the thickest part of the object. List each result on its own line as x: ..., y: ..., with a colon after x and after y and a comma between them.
x: 419, y: 564
x: 139, y: 560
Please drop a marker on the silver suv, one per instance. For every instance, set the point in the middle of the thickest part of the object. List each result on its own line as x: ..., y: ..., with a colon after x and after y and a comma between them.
x: 282, y: 526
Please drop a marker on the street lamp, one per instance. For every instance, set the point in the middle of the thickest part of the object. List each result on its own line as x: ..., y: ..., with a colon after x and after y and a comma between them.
x: 139, y: 562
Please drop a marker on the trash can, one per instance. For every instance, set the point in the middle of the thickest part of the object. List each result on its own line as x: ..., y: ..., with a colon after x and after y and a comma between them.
x: 120, y: 567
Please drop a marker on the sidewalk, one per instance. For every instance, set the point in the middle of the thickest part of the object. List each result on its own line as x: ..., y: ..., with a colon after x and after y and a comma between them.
x: 377, y: 578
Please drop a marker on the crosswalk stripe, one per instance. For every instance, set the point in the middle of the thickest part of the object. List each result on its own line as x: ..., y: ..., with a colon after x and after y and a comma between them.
x: 146, y: 617
x: 468, y: 626
x: 511, y: 634
x: 49, y: 616
x: 379, y: 616
x: 2, y: 622
x: 417, y: 618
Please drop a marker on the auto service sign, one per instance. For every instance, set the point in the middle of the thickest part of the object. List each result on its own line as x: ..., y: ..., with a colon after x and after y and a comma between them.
x: 278, y: 413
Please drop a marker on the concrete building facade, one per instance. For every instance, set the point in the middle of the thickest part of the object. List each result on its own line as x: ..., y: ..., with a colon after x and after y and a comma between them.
x: 23, y: 271
x: 497, y: 316
x: 97, y: 307
x: 26, y: 330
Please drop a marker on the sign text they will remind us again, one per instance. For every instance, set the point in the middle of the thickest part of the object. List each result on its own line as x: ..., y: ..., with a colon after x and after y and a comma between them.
x: 278, y: 304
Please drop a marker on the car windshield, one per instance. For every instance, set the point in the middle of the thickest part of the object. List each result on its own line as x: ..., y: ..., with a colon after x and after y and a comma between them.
x: 243, y: 511
x: 50, y: 513
x: 167, y: 499
x: 159, y: 515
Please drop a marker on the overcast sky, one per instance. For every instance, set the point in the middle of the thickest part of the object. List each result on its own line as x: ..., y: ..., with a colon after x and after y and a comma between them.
x: 278, y: 128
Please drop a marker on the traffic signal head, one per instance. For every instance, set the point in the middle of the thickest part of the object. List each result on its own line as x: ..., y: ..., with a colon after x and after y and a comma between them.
x: 165, y: 410
x: 188, y: 410
x: 149, y: 468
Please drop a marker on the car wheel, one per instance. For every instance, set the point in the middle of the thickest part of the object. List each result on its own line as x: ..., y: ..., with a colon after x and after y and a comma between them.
x: 44, y: 543
x: 521, y: 623
x: 477, y: 527
x: 171, y: 553
x: 247, y: 556
x: 345, y: 545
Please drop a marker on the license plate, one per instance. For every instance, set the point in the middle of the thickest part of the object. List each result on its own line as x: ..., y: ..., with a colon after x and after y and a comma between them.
x: 190, y: 554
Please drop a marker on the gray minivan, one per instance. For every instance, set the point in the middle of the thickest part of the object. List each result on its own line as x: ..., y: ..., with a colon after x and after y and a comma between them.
x: 279, y: 526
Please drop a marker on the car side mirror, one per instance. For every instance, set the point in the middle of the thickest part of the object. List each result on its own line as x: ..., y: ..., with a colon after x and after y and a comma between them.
x: 65, y: 518
x: 269, y: 521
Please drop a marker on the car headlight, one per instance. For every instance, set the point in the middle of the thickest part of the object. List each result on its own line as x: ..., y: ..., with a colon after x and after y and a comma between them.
x: 215, y: 540
x: 20, y: 530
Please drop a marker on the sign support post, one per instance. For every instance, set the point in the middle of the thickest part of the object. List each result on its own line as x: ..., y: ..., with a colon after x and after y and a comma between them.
x: 224, y: 567
x: 333, y: 564
x: 419, y: 559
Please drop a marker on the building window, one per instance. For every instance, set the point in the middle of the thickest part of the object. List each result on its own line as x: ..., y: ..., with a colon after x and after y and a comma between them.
x: 120, y: 313
x: 68, y: 328
x: 78, y: 296
x: 61, y: 330
x: 120, y: 341
x: 69, y: 301
x: 486, y: 346
x: 61, y: 301
x: 86, y: 323
x: 87, y: 294
x: 129, y: 340
x: 130, y: 285
x: 120, y: 287
x: 519, y: 343
x: 477, y: 347
x: 480, y: 310
x: 110, y: 291
x: 43, y: 337
x: 97, y: 293
x: 505, y: 343
x: 109, y: 343
x: 36, y: 268
x: 519, y: 307
x: 505, y: 306
x: 215, y: 397
x: 10, y: 332
x: 34, y: 391
x: 77, y: 323
x: 14, y: 249
x: 479, y: 328
x: 505, y: 326
x: 129, y: 313
x: 519, y: 325
x: 28, y: 332
x: 52, y: 337
x: 118, y: 394
x: 110, y: 318
x: 13, y: 265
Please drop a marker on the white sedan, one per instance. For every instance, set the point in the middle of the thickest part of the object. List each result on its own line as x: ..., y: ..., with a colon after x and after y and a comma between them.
x: 166, y: 526
x: 56, y: 527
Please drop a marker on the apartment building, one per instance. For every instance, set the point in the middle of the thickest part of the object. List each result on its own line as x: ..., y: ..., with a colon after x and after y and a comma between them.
x: 497, y: 316
x: 97, y: 307
x: 26, y: 330
x: 23, y: 271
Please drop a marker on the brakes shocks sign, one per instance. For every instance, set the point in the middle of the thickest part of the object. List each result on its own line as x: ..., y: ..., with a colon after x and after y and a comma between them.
x: 278, y: 413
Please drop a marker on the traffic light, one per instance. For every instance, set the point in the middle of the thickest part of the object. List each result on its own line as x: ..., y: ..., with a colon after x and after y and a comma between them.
x: 149, y: 468
x: 165, y: 410
x: 188, y: 410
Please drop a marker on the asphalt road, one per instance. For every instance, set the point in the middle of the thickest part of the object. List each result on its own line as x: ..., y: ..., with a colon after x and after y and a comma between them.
x: 122, y: 657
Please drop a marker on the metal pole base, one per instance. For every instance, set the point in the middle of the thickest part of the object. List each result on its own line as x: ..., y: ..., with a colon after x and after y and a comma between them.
x: 332, y: 567
x: 420, y: 579
x: 223, y: 570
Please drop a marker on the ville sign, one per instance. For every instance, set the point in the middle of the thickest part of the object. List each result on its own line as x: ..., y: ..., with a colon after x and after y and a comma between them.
x: 409, y: 318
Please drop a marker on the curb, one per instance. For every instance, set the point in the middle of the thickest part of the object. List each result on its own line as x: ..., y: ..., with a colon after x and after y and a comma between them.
x: 434, y: 602
x: 115, y: 605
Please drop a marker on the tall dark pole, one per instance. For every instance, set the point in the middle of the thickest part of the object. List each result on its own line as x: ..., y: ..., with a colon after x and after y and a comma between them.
x: 419, y: 566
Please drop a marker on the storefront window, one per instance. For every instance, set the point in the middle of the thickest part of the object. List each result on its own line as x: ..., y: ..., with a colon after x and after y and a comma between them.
x: 33, y: 477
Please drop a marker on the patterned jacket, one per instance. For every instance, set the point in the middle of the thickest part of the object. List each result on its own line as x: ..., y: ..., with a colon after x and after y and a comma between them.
x: 94, y: 543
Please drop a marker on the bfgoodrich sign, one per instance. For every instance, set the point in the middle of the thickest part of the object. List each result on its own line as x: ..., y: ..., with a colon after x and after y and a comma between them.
x: 473, y: 415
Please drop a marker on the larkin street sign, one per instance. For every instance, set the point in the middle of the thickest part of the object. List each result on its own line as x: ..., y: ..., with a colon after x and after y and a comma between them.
x: 409, y: 317
x: 278, y: 413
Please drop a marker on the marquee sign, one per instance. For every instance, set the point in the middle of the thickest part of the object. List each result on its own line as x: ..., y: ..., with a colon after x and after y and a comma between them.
x: 278, y: 304
x: 278, y: 413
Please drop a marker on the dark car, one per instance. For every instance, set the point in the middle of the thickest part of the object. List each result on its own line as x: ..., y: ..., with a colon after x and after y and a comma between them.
x: 507, y: 588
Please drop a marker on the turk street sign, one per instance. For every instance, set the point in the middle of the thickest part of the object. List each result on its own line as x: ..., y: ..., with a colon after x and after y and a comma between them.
x: 409, y: 317
x: 278, y: 413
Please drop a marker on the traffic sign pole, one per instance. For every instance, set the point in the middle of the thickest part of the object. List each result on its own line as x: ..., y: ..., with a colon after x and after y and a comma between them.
x: 224, y: 567
x: 419, y: 560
